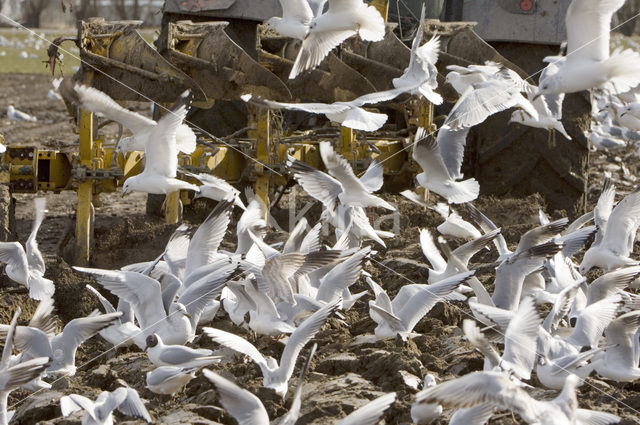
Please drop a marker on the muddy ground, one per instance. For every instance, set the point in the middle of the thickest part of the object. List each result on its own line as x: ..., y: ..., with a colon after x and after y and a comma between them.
x: 344, y: 376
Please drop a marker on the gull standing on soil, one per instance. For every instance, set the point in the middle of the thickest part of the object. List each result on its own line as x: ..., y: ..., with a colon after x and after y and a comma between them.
x: 618, y: 235
x: 27, y: 267
x: 439, y: 176
x: 100, y: 412
x: 588, y: 64
x: 498, y: 389
x: 15, y: 115
x: 425, y: 413
x: 168, y: 380
x: 142, y: 127
x: 177, y: 355
x: 295, y: 20
x: 421, y: 74
x: 344, y: 19
x: 350, y: 114
x: 277, y: 376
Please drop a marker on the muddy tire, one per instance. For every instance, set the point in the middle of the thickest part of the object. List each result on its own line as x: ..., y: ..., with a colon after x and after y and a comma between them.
x: 515, y: 160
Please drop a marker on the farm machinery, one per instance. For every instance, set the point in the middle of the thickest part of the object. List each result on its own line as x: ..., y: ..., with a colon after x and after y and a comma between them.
x: 219, y: 50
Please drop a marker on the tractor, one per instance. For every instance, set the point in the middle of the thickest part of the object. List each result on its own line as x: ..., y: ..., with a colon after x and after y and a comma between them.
x: 219, y: 50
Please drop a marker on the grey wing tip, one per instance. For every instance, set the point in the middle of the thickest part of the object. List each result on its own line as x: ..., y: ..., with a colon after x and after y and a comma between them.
x: 558, y: 225
x: 184, y: 100
x: 547, y: 249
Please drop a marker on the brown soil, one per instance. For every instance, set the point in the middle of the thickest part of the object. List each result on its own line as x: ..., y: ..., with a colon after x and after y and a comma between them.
x: 344, y: 376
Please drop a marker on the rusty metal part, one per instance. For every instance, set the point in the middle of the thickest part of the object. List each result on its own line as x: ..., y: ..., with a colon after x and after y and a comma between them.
x: 129, y: 62
x: 339, y: 83
x: 222, y: 68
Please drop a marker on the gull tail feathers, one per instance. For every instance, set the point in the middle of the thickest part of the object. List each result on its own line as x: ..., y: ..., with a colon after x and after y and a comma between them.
x: 372, y: 27
x: 622, y: 70
x: 460, y: 192
x: 41, y: 289
x: 185, y: 139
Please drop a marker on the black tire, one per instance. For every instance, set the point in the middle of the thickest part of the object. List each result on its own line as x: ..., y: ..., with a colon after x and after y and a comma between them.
x: 514, y: 160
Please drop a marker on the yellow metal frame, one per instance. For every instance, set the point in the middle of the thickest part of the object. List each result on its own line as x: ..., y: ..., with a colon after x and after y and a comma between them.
x: 84, y: 214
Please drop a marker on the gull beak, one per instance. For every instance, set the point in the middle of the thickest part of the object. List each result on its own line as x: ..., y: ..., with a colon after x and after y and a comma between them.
x: 622, y: 114
x: 188, y: 316
x: 146, y: 347
x: 536, y: 96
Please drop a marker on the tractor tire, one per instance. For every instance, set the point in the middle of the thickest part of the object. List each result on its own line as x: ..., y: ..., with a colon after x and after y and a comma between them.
x: 515, y: 160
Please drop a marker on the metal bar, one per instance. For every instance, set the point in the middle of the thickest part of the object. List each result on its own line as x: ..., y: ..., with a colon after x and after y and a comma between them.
x: 173, y: 208
x: 262, y: 153
x: 84, y: 215
x: 348, y: 143
x: 383, y: 7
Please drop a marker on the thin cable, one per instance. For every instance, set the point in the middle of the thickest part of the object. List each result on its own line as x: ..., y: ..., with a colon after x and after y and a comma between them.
x: 217, y: 139
x: 497, y: 330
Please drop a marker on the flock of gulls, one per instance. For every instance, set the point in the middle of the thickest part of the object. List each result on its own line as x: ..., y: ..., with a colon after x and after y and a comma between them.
x: 291, y: 289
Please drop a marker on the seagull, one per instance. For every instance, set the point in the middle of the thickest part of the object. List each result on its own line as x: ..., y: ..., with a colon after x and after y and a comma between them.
x: 403, y: 314
x: 217, y: 189
x: 277, y: 376
x: 174, y: 321
x: 520, y: 341
x: 341, y: 184
x: 461, y: 78
x: 100, y: 412
x: 26, y: 265
x: 442, y: 269
x: 344, y: 19
x: 454, y: 225
x: 425, y: 413
x: 15, y: 115
x: 60, y: 348
x: 588, y: 64
x: 14, y: 376
x: 349, y: 114
x: 161, y: 155
x: 481, y: 100
x: 497, y: 388
x: 142, y: 127
x: 370, y: 413
x: 619, y: 234
x: 53, y: 95
x: 295, y: 20
x: 546, y: 118
x: 244, y: 407
x: 123, y: 331
x: 439, y: 176
x: 168, y: 380
x: 619, y: 361
x: 177, y: 355
x: 421, y: 74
